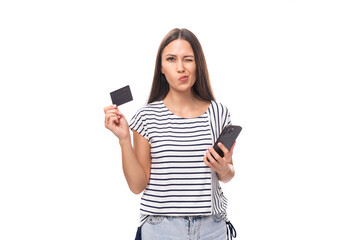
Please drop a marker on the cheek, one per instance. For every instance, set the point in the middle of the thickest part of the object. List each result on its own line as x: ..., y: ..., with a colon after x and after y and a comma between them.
x: 193, y: 71
x: 165, y: 68
x: 167, y: 72
x: 193, y: 68
x: 190, y: 67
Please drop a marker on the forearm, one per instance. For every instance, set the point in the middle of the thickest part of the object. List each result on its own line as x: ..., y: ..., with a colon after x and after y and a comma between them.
x: 133, y: 171
x: 227, y: 175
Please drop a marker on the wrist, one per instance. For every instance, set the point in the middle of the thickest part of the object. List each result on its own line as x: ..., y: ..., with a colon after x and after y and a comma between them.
x: 125, y: 142
x: 227, y: 174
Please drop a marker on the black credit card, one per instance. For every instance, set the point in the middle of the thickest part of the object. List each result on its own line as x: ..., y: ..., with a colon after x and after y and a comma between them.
x: 121, y: 96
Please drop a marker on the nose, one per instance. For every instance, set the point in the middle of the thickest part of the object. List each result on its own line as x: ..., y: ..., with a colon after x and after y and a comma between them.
x: 180, y: 67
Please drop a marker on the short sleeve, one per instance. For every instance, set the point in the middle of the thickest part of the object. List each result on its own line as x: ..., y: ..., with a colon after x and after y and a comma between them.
x: 138, y: 123
x: 226, y: 118
x: 219, y: 117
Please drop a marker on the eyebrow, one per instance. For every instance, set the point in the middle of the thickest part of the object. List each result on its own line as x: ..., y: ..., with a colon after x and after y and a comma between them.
x: 173, y: 55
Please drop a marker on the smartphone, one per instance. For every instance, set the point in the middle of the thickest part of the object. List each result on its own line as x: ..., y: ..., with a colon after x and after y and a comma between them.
x: 227, y: 138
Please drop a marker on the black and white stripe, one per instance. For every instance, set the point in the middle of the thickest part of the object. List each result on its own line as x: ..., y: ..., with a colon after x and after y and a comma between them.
x: 219, y: 117
x: 180, y: 183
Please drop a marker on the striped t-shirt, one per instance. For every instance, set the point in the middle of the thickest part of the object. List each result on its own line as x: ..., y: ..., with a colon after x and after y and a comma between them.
x: 180, y: 183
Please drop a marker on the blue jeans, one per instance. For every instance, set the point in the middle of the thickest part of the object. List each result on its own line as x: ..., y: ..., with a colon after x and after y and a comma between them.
x: 184, y: 228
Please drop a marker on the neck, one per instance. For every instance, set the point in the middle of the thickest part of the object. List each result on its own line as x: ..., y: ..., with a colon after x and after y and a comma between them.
x: 181, y: 100
x: 186, y: 105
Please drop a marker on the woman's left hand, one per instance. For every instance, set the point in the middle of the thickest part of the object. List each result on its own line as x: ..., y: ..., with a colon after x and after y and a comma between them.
x: 219, y: 164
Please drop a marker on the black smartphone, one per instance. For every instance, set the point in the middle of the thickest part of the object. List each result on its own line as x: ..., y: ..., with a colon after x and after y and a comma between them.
x: 227, y: 138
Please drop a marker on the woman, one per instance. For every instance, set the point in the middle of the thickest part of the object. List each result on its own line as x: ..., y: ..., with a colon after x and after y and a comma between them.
x: 172, y: 160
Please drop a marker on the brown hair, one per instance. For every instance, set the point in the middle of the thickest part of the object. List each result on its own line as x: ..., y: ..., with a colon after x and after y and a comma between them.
x: 201, y: 88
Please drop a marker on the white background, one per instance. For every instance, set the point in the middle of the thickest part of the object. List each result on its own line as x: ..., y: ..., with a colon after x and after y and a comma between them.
x: 287, y: 70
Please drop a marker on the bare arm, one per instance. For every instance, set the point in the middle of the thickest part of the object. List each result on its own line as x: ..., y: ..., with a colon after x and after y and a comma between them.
x: 136, y: 161
x: 227, y: 175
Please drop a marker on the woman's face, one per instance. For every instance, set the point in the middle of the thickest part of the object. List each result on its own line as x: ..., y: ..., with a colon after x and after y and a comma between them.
x: 178, y: 65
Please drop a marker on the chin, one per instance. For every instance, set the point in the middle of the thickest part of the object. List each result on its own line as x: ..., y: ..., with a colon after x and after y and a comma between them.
x: 187, y: 88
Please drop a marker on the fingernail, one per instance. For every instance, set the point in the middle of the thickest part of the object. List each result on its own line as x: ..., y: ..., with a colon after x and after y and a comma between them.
x: 114, y: 106
x: 209, y: 148
x: 119, y: 112
x: 219, y: 144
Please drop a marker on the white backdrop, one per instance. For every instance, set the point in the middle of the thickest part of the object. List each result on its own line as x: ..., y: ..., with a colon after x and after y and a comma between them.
x: 287, y: 70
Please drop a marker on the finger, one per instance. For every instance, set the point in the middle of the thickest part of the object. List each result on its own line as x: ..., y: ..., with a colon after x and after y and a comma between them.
x: 110, y: 118
x: 107, y: 121
x: 212, y: 161
x: 114, y: 111
x: 227, y: 154
x: 123, y: 122
x: 232, y: 148
x: 114, y: 120
x: 108, y: 115
x: 214, y: 153
x: 206, y: 161
x: 223, y: 148
x: 110, y: 107
x: 117, y: 114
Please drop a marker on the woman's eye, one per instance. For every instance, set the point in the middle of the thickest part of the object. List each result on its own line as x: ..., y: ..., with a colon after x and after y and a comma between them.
x: 170, y: 59
x: 189, y: 60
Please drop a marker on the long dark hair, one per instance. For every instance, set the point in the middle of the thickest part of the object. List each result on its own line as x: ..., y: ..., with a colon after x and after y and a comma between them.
x: 202, y: 86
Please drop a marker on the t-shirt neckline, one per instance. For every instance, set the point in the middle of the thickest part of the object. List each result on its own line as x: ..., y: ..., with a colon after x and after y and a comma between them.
x: 202, y: 115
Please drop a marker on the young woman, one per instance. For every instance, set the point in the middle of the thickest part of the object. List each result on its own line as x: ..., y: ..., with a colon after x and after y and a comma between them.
x: 172, y: 160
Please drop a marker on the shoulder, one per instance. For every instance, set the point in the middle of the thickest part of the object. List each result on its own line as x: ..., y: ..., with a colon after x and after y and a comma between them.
x: 139, y: 120
x: 218, y: 107
x: 219, y: 114
x: 150, y: 108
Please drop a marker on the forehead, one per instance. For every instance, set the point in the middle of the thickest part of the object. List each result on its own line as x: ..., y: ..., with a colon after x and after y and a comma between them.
x: 178, y: 47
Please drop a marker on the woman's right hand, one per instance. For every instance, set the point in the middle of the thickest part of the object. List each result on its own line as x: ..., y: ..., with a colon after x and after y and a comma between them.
x: 116, y: 122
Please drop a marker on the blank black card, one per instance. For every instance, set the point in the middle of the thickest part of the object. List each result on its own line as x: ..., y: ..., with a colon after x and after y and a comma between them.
x: 121, y: 96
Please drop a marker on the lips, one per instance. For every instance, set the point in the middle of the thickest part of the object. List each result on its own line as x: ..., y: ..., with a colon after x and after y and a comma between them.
x: 183, y: 78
